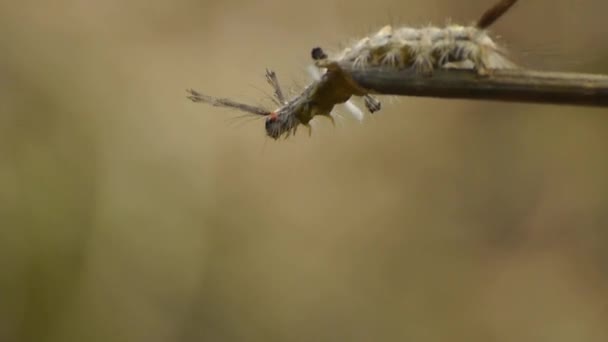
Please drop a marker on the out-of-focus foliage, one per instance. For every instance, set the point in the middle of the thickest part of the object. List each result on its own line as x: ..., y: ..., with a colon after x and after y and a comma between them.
x: 130, y: 214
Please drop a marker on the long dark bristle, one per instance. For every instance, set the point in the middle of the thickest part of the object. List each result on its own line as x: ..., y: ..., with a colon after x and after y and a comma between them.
x: 491, y: 15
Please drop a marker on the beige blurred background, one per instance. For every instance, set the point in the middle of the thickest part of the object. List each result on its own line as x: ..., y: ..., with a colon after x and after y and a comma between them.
x: 129, y: 213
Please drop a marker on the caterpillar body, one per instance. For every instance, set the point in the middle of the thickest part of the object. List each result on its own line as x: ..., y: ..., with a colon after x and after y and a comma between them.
x: 422, y: 49
x: 425, y: 49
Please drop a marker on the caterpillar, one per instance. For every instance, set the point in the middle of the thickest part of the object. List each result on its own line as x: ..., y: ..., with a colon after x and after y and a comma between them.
x: 423, y: 49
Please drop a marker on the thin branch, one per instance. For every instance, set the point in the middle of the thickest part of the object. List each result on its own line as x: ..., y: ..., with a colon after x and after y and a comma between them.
x: 517, y: 85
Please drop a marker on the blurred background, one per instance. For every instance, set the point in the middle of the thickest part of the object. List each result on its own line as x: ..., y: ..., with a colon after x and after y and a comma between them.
x: 129, y: 213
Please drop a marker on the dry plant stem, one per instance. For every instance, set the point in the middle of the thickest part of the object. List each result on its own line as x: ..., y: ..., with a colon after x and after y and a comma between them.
x: 517, y: 85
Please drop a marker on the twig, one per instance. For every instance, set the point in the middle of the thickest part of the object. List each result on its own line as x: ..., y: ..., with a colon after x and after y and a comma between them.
x: 517, y: 85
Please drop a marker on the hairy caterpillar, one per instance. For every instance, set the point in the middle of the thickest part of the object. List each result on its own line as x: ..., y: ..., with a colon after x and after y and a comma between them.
x: 424, y: 50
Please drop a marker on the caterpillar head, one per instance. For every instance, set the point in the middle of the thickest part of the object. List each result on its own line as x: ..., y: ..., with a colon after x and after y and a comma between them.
x: 280, y: 123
